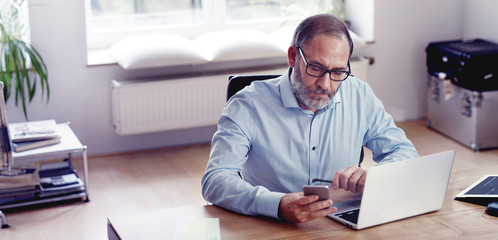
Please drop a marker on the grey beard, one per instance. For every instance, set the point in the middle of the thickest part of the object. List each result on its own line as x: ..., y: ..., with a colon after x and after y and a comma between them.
x: 303, y: 94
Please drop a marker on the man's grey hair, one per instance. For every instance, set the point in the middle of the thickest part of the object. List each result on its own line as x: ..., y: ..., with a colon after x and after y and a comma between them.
x: 321, y: 24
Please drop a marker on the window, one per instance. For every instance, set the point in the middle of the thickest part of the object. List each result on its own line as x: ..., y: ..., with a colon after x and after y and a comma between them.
x: 257, y: 10
x: 111, y: 20
x: 125, y: 15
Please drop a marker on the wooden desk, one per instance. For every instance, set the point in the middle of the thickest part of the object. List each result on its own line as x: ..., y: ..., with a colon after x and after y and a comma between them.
x: 455, y: 220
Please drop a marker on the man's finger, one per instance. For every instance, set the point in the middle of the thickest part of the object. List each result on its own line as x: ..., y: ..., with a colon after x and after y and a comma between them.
x: 354, y: 180
x: 345, y: 178
x: 307, y: 199
x: 361, y: 183
x: 349, y: 179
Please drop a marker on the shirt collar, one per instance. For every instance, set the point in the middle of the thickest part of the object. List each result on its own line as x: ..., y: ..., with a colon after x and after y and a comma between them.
x: 289, y: 99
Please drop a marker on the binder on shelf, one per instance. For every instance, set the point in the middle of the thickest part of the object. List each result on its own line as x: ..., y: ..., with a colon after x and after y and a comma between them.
x: 15, y: 195
x: 17, y: 199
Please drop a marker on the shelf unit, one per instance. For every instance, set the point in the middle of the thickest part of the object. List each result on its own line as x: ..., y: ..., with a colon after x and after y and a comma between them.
x: 69, y: 145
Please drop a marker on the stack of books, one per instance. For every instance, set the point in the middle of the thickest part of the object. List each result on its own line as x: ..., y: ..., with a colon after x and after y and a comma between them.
x: 43, y: 181
x: 35, y: 134
x: 58, y: 179
x: 19, y: 184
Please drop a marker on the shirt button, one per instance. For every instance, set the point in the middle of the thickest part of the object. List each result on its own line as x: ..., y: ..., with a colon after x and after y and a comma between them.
x: 313, y: 148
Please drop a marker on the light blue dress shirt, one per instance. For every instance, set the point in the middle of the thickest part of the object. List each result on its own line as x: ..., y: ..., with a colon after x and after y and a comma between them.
x: 279, y: 147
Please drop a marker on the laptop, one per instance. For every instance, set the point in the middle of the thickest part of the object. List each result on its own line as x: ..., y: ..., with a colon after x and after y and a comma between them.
x: 398, y: 190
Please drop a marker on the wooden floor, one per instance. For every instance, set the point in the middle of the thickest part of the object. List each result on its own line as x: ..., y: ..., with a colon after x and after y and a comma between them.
x: 134, y: 182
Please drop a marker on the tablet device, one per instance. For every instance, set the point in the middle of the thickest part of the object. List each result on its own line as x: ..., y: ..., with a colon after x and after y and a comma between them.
x: 482, y: 192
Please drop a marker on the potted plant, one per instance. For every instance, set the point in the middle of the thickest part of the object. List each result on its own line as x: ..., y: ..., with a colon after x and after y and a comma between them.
x: 338, y: 9
x: 21, y: 66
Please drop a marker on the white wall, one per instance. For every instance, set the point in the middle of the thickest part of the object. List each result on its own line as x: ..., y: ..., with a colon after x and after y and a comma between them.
x: 402, y: 31
x: 81, y: 94
x: 480, y: 19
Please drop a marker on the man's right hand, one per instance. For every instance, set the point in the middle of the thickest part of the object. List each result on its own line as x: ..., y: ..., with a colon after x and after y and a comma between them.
x: 350, y: 179
x: 297, y: 208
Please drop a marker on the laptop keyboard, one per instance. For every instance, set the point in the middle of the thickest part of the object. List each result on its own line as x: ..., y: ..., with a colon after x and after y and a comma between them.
x: 351, y: 216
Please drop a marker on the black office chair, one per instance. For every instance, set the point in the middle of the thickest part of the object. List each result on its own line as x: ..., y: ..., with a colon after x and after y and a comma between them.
x: 237, y: 83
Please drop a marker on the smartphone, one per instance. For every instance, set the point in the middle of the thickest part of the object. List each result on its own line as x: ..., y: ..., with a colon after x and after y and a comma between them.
x: 322, y: 191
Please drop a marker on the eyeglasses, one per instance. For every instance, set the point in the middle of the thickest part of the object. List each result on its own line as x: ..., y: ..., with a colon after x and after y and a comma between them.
x: 317, y: 71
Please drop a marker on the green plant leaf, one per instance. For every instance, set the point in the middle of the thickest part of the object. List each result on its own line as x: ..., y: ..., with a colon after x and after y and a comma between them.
x: 15, y: 54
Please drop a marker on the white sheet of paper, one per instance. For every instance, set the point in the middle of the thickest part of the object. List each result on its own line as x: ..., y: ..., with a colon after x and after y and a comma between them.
x: 197, y: 228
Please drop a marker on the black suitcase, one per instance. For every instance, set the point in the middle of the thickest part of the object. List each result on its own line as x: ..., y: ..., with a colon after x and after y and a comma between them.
x: 471, y: 64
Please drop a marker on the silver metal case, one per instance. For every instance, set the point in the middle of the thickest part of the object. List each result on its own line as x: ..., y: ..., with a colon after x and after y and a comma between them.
x: 470, y: 117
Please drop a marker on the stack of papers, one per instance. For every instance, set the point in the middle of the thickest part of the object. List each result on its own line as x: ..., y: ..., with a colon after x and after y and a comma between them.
x: 29, y: 135
x: 197, y: 228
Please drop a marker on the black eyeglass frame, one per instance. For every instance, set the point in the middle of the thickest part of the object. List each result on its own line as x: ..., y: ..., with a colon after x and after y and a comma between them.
x: 348, y: 73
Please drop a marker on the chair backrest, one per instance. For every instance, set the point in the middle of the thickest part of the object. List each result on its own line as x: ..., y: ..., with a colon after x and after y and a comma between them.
x: 237, y: 83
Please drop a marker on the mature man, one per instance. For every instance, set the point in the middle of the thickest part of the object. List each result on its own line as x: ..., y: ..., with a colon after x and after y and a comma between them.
x: 277, y: 135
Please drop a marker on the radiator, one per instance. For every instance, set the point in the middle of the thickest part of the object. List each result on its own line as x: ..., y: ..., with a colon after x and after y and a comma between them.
x: 161, y: 105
